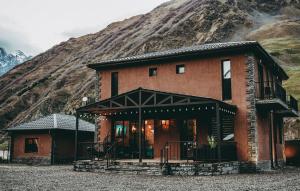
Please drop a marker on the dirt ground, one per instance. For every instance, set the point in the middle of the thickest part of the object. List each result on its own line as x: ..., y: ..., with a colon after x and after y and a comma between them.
x: 21, y: 177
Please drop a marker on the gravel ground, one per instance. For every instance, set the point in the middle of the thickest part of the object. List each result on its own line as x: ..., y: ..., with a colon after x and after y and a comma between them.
x: 15, y: 177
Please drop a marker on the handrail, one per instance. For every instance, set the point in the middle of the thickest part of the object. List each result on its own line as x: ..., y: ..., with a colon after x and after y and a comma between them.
x: 272, y: 90
x: 111, y: 154
x: 173, y: 150
x: 293, y: 103
x: 190, y: 150
x: 94, y: 150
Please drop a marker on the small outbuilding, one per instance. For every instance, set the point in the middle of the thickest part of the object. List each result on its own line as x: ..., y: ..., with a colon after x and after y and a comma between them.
x: 48, y: 140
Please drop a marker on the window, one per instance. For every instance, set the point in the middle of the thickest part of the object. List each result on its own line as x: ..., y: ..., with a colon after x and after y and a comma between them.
x: 114, y: 83
x: 152, y: 72
x: 31, y: 145
x: 226, y: 79
x: 180, y: 69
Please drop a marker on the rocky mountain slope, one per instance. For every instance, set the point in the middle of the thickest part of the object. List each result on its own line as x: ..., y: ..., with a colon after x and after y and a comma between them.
x: 57, y: 79
x: 9, y: 60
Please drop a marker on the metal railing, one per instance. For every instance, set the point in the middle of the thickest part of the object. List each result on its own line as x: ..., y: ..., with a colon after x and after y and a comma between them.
x: 292, y: 103
x: 91, y: 151
x: 111, y: 155
x: 273, y: 90
x: 192, y: 151
x: 270, y: 90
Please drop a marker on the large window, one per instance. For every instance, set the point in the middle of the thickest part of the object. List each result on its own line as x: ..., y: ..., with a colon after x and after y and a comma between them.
x: 226, y: 79
x: 114, y: 84
x: 31, y: 145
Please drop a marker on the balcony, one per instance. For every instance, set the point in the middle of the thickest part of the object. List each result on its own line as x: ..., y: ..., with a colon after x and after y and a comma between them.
x: 292, y: 103
x: 273, y: 94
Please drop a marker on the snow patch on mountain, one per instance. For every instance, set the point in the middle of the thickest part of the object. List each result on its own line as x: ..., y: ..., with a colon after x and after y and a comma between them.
x: 10, y: 60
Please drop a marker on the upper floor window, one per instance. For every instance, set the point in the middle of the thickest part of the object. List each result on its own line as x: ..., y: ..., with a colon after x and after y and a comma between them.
x: 114, y: 83
x: 226, y: 80
x: 180, y: 69
x: 31, y: 145
x: 152, y: 72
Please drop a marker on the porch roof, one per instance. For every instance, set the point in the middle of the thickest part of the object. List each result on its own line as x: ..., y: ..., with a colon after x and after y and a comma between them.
x: 151, y: 99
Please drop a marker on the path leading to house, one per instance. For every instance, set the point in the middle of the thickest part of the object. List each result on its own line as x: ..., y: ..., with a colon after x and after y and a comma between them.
x: 15, y: 177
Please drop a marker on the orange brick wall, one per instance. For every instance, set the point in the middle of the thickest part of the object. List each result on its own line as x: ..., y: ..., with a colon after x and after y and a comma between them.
x: 44, y: 145
x: 201, y: 78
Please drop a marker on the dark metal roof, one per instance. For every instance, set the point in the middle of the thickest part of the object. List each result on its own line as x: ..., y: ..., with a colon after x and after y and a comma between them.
x: 55, y: 121
x: 199, y: 50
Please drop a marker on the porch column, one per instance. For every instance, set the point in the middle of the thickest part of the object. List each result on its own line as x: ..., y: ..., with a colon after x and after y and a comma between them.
x: 76, y: 136
x: 218, y: 125
x: 271, y: 138
x: 140, y: 127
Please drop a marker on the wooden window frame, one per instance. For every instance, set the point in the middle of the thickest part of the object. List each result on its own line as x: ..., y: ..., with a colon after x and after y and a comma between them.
x: 152, y: 71
x: 224, y: 97
x: 27, y: 148
x: 114, y: 87
x: 178, y: 68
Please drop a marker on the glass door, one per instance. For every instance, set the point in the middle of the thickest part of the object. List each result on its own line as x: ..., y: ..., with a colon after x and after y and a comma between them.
x: 148, y: 132
x: 188, y: 138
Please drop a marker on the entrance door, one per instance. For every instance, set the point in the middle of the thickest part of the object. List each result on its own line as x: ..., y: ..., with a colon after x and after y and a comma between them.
x: 188, y: 138
x: 148, y: 139
x: 126, y: 136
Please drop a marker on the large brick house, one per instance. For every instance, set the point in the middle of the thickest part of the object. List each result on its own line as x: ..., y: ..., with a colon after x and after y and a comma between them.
x: 223, y: 101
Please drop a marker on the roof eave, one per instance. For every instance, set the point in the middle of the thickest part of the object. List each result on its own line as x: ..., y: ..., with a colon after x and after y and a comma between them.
x: 202, y: 53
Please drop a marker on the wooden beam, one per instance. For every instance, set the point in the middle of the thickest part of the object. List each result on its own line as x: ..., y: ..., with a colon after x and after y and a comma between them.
x: 140, y: 127
x: 148, y: 99
x: 271, y: 138
x: 131, y: 100
x: 218, y: 125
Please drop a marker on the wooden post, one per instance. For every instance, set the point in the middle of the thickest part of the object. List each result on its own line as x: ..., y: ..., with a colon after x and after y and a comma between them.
x: 140, y: 127
x: 52, y: 147
x: 271, y: 137
x: 76, y: 136
x: 218, y: 125
x: 11, y: 147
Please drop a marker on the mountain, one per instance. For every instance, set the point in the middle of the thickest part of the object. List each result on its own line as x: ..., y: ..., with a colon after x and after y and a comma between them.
x: 8, y: 61
x: 57, y: 79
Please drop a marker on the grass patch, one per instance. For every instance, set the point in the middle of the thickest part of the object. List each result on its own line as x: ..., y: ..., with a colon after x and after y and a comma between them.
x: 285, y: 48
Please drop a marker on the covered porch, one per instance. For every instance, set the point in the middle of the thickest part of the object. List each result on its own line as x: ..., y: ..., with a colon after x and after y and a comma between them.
x: 159, y: 126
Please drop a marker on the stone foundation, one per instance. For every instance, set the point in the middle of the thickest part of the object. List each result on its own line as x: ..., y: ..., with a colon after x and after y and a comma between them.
x: 202, y: 169
x: 33, y: 160
x: 182, y: 169
x: 261, y: 166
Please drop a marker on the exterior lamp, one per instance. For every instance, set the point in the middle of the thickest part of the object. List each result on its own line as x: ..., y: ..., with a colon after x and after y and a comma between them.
x: 165, y: 124
x: 133, y: 129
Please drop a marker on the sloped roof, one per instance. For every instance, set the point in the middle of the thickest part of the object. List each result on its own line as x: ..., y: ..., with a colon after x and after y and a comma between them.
x: 183, y: 50
x: 55, y: 121
x: 197, y: 50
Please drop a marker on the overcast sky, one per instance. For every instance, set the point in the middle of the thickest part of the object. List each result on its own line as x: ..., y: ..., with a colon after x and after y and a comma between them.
x: 34, y: 26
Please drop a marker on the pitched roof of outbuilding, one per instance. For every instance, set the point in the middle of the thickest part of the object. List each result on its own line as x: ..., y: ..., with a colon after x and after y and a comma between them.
x: 55, y: 121
x: 192, y: 51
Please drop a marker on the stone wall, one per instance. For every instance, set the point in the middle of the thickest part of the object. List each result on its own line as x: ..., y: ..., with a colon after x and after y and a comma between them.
x: 33, y: 160
x: 251, y: 115
x: 202, y: 169
x: 182, y: 169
